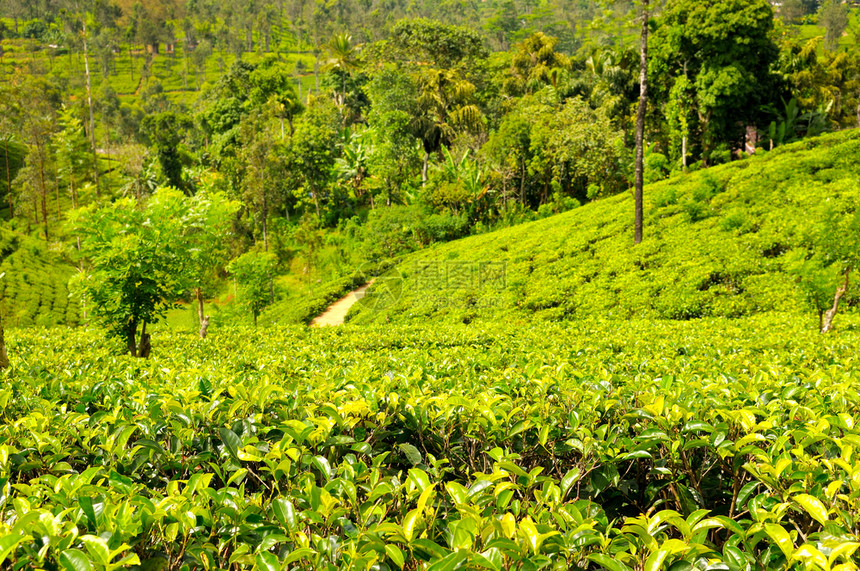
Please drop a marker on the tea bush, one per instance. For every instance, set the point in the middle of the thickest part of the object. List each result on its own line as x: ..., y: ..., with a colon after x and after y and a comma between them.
x: 713, y: 444
x: 736, y: 222
x: 34, y: 289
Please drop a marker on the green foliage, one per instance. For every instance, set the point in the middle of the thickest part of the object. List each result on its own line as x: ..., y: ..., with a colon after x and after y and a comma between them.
x: 718, y: 246
x: 543, y: 145
x: 145, y: 257
x: 421, y: 40
x: 833, y: 16
x: 725, y: 50
x: 166, y: 131
x: 254, y: 272
x: 617, y: 445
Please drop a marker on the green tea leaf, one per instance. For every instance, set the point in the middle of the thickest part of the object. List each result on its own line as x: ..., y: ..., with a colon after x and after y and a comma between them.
x: 813, y: 507
x: 781, y: 537
x: 75, y: 560
x: 395, y: 554
x: 267, y: 562
x: 412, y: 454
x: 231, y: 442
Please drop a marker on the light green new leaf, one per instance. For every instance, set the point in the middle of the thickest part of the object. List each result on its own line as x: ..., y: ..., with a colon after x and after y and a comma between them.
x: 781, y: 537
x: 608, y: 562
x: 450, y: 562
x: 75, y: 560
x: 395, y: 554
x: 813, y: 507
x: 267, y: 562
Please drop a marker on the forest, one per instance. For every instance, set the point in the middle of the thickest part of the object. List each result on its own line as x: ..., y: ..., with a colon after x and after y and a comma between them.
x: 334, y: 125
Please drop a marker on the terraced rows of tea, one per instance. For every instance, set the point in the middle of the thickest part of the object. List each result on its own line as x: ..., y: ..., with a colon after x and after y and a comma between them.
x: 700, y: 445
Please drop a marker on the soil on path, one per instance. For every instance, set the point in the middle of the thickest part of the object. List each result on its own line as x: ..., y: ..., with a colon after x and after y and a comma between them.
x: 337, y: 311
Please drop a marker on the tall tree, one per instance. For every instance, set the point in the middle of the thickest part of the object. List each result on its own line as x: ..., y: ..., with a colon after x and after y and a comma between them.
x: 726, y: 50
x: 314, y: 150
x: 79, y: 24
x: 37, y: 125
x: 343, y: 59
x: 10, y: 111
x: 165, y: 132
x: 446, y: 106
x: 257, y: 154
x: 639, y: 168
x: 833, y: 15
x: 72, y: 152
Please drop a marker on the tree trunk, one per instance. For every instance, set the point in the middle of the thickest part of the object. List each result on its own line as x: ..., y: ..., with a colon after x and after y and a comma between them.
x: 4, y: 357
x: 204, y: 327
x: 684, y: 151
x: 199, y: 294
x: 640, y: 124
x: 90, y: 106
x: 522, y: 180
x: 317, y: 72
x: 8, y: 179
x: 204, y: 319
x: 44, y: 194
x: 130, y: 341
x: 265, y: 223
x: 827, y: 321
x: 424, y: 168
x: 145, y: 347
x: 858, y: 110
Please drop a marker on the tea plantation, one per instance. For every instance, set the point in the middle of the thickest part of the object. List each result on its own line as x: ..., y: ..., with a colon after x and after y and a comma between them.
x: 718, y: 242
x: 34, y: 287
x: 539, y: 397
x: 711, y: 444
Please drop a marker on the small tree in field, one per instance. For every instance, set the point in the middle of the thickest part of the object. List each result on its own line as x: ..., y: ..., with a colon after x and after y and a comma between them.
x: 144, y: 257
x: 253, y: 271
x: 209, y: 223
x: 824, y: 268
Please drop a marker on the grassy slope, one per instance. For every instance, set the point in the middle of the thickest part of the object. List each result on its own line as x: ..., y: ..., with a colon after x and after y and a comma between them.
x: 715, y: 244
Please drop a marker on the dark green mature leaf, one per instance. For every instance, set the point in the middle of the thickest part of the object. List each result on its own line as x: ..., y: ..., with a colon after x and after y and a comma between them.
x: 231, y: 441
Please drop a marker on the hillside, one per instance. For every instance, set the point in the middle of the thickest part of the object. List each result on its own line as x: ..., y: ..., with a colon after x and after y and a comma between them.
x: 717, y: 243
x: 34, y: 288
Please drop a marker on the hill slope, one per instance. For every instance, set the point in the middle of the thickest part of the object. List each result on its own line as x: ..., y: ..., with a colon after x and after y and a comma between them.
x: 716, y: 244
x: 34, y: 289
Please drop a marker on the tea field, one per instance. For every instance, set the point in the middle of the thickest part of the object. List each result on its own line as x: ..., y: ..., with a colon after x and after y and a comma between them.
x: 705, y: 444
x: 719, y: 242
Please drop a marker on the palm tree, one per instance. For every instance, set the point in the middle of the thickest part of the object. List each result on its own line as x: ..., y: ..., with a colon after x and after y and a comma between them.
x: 352, y: 166
x: 445, y: 108
x: 343, y: 57
x: 536, y: 64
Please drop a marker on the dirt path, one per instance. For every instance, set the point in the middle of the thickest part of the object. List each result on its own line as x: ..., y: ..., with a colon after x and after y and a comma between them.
x: 336, y: 312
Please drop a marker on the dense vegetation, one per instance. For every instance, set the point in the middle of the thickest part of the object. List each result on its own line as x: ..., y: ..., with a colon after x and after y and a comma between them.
x: 727, y: 241
x: 602, y: 445
x: 530, y: 381
x: 335, y: 123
